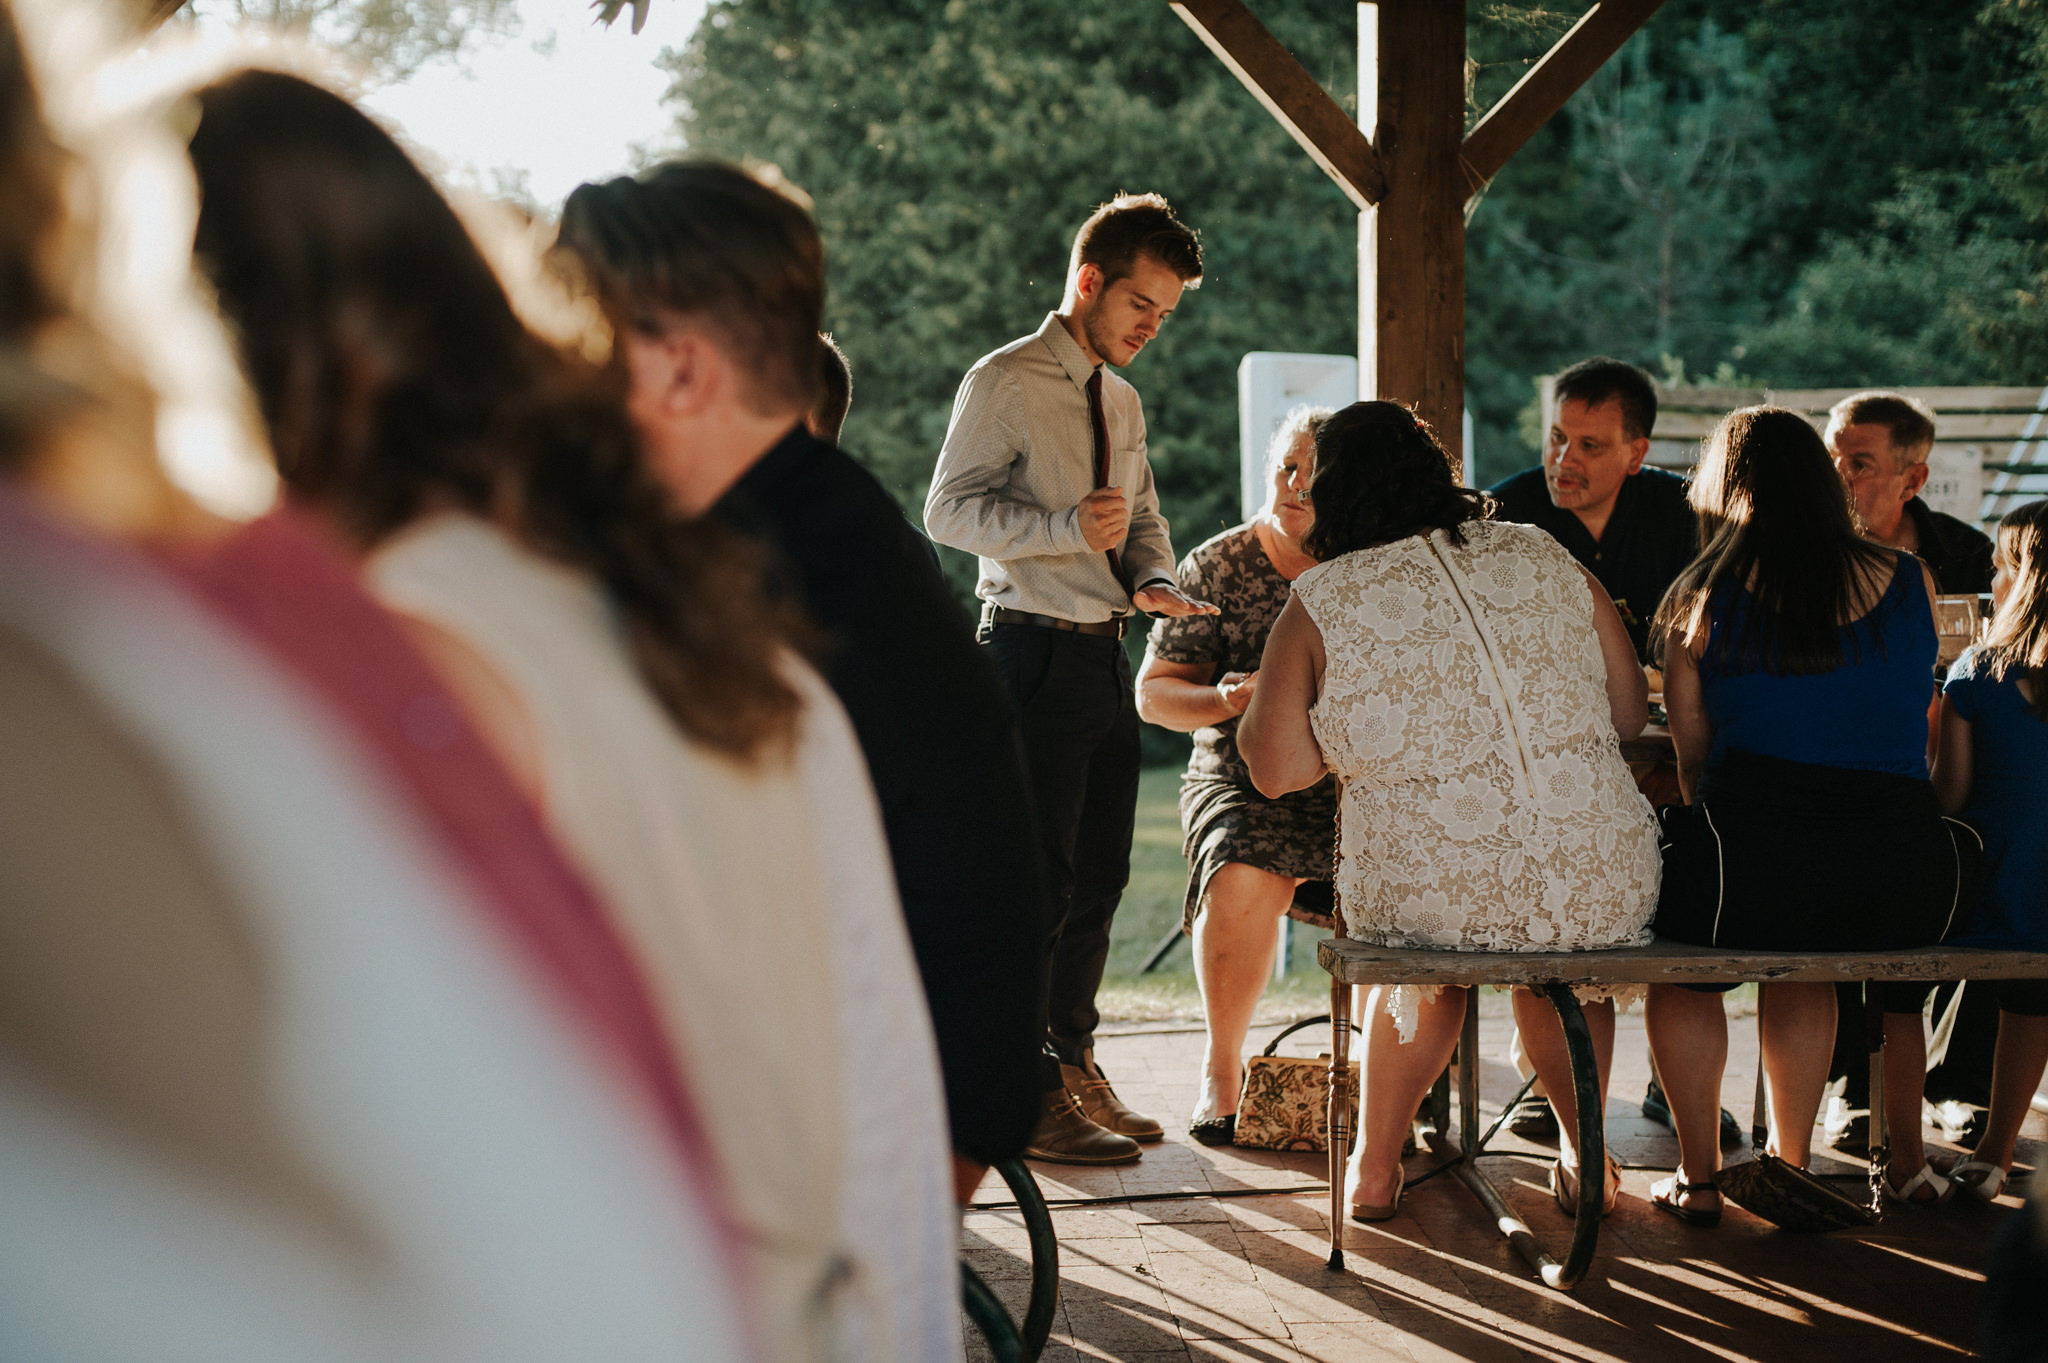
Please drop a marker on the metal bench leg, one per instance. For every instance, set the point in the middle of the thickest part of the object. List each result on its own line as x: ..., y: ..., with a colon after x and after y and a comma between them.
x: 1880, y: 1135
x: 1592, y: 1145
x: 1468, y: 1079
x: 1578, y: 1040
x: 1338, y: 1121
x: 985, y: 1309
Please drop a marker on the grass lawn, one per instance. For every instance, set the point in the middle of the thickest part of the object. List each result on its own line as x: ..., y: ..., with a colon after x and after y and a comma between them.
x: 1151, y: 907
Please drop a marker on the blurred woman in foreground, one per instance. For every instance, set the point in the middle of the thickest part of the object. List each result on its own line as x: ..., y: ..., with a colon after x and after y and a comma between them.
x: 281, y: 1074
x: 1468, y: 684
x: 1796, y: 660
x: 623, y: 667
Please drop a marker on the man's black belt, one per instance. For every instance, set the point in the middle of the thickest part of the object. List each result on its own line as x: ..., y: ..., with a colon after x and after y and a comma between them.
x: 1003, y: 615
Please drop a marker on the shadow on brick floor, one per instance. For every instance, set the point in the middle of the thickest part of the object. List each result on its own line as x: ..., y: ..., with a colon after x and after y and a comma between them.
x: 1244, y: 1278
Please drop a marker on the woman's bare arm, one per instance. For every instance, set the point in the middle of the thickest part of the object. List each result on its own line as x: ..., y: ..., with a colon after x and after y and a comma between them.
x: 1190, y: 696
x: 1274, y: 737
x: 1628, y: 690
x: 1685, y: 707
x: 1952, y: 769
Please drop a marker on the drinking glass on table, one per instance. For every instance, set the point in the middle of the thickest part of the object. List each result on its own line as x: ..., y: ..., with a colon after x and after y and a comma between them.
x: 1956, y: 620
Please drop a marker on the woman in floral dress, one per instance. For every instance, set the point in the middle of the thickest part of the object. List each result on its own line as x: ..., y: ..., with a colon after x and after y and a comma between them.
x: 1468, y: 684
x: 1248, y: 857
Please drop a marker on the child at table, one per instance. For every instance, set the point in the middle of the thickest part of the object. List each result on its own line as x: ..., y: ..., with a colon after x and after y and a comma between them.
x: 1992, y: 769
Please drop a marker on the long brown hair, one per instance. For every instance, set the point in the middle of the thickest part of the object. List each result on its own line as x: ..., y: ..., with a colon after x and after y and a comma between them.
x: 1774, y: 519
x: 395, y: 379
x: 2018, y: 639
x: 32, y: 167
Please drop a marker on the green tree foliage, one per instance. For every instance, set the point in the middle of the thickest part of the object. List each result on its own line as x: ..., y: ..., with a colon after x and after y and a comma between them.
x: 1944, y: 279
x: 1914, y: 300
x: 1812, y: 192
x: 951, y: 149
x: 1831, y: 192
x: 1639, y: 223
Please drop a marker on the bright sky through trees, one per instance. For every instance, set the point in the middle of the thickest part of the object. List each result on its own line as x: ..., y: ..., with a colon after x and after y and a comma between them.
x: 559, y: 101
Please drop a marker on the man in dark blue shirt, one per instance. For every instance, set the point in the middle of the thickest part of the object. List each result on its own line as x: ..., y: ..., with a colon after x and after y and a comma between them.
x: 1630, y: 526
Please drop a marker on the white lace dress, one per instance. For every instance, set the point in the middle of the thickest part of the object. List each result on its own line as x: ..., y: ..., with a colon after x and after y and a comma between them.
x: 1485, y: 806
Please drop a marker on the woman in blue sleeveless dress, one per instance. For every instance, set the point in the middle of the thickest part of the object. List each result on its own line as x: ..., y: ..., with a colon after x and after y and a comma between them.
x: 1992, y: 769
x: 1798, y: 664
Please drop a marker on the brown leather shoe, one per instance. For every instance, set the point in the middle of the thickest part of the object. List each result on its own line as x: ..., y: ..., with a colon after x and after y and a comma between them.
x: 1087, y: 1082
x: 1064, y: 1136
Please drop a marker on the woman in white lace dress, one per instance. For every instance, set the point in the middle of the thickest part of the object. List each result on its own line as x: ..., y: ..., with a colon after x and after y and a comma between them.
x: 701, y: 776
x: 1468, y: 683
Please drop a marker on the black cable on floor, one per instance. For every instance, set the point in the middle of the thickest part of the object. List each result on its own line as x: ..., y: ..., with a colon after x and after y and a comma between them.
x: 1158, y: 1197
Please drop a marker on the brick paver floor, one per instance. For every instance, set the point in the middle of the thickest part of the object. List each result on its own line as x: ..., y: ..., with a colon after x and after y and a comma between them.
x: 1200, y: 1277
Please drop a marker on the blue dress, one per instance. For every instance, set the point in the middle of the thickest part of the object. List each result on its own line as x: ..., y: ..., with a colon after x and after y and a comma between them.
x: 2008, y: 804
x: 1868, y: 714
x: 1814, y: 827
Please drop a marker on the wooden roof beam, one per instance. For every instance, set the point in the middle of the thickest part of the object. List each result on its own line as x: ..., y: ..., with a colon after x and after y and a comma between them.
x: 1330, y: 136
x: 1540, y: 93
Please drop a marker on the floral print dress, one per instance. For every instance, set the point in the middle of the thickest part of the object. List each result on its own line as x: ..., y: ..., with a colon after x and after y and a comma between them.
x: 1463, y: 707
x: 1224, y: 817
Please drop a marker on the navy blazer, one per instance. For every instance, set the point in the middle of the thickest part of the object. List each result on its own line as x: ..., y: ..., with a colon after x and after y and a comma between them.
x: 943, y: 749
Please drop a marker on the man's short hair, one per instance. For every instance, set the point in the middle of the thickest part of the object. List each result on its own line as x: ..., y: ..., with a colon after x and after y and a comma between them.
x: 708, y: 240
x: 1599, y: 379
x: 835, y: 395
x: 1133, y: 225
x: 1909, y: 420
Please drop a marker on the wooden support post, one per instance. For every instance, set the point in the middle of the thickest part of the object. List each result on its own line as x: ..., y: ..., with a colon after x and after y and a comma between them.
x: 1540, y: 93
x: 1412, y: 243
x: 1289, y: 93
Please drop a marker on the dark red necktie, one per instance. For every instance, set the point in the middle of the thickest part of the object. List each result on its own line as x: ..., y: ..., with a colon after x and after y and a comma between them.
x: 1101, y: 429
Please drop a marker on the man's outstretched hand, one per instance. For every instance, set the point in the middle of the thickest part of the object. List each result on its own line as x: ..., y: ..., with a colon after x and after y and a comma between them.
x: 1161, y: 599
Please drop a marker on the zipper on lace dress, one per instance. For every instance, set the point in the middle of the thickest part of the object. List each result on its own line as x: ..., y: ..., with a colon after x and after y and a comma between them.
x: 1510, y: 712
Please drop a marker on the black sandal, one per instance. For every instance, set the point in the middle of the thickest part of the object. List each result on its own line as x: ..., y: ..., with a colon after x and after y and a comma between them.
x: 1664, y: 1197
x: 1215, y: 1130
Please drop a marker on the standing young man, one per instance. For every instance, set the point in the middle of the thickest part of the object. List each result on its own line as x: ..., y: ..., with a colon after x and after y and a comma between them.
x: 1043, y: 476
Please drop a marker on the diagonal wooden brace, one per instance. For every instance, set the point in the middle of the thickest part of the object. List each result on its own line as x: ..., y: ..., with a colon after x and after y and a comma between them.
x: 1540, y: 93
x: 1330, y: 136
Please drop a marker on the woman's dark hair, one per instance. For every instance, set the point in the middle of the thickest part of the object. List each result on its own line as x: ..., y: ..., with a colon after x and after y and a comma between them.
x: 396, y: 380
x: 1381, y: 475
x: 1774, y: 520
x: 2018, y: 641
x: 32, y: 207
x: 32, y: 243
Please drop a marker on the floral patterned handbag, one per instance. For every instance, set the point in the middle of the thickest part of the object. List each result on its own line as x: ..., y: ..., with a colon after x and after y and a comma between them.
x: 1285, y: 1103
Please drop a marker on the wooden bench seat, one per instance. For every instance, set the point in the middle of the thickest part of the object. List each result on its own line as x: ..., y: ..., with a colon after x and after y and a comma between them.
x: 1352, y: 963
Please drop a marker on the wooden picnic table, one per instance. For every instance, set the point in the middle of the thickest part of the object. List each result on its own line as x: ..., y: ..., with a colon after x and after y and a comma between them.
x: 1351, y: 963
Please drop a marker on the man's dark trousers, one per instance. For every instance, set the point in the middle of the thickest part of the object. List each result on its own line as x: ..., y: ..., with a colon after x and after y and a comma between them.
x: 1080, y: 723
